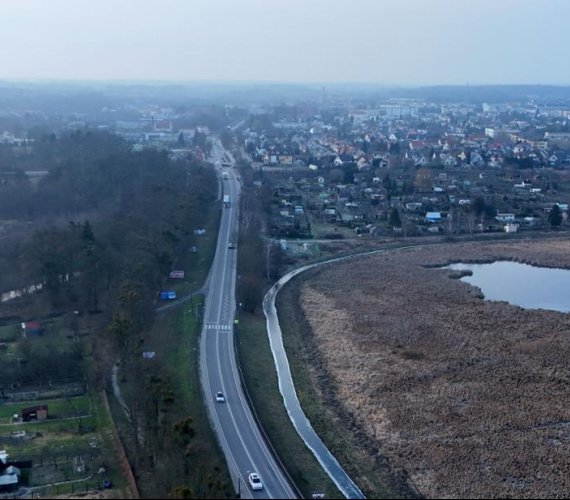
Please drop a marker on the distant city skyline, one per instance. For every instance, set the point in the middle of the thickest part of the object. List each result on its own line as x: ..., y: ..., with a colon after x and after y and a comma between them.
x: 385, y: 42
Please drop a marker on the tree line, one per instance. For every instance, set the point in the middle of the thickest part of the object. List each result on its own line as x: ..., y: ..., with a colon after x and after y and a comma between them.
x: 143, y: 208
x: 260, y: 261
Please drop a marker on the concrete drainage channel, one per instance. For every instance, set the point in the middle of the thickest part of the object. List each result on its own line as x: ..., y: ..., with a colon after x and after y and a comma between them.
x: 287, y: 388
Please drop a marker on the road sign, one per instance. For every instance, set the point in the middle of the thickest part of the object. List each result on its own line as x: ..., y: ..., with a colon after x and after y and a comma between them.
x: 176, y: 274
x: 168, y: 295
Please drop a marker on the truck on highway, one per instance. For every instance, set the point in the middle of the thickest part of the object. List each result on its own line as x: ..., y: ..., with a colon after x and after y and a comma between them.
x: 226, y: 201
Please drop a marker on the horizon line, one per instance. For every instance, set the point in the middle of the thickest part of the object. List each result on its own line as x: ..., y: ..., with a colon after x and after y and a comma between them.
x: 129, y: 81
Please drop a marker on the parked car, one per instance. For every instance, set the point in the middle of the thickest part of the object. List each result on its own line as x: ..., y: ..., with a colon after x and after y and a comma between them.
x: 255, y: 481
x: 220, y: 398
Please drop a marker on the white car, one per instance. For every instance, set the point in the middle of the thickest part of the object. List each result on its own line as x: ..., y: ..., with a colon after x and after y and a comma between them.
x: 255, y: 481
x: 220, y: 397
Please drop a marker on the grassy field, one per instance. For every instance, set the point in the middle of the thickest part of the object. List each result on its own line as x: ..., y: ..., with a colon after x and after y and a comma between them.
x: 183, y: 369
x: 196, y: 265
x: 10, y: 333
x: 57, y: 408
x: 65, y: 447
x: 321, y: 230
x: 258, y: 367
x: 77, y: 438
x: 57, y: 334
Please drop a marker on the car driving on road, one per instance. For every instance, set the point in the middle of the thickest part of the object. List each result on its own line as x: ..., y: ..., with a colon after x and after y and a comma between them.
x: 220, y: 398
x: 255, y: 481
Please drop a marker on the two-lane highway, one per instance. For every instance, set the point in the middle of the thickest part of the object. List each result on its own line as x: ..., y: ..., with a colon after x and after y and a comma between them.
x: 238, y: 434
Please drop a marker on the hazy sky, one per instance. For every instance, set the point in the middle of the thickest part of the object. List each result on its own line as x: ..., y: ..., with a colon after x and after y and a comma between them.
x: 380, y: 41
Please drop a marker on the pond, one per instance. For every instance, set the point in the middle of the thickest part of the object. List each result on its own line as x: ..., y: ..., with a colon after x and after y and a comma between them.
x: 520, y: 284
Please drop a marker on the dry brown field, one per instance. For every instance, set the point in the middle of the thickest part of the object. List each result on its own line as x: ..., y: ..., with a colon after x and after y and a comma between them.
x: 471, y: 398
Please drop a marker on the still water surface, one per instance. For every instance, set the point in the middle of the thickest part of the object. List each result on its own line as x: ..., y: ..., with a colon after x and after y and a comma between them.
x: 520, y: 284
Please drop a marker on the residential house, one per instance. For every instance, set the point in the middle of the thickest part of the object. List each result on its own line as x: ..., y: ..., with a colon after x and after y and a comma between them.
x: 494, y: 162
x: 362, y: 163
x: 9, y: 474
x: 477, y: 160
x: 449, y: 161
x: 350, y: 213
x: 553, y: 160
x: 505, y: 217
x: 420, y: 160
x: 285, y: 159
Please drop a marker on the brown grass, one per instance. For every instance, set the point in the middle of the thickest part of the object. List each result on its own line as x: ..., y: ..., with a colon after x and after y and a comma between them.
x: 471, y: 398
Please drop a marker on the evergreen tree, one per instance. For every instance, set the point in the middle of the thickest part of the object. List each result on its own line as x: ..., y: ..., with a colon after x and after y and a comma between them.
x: 555, y: 216
x: 394, y: 219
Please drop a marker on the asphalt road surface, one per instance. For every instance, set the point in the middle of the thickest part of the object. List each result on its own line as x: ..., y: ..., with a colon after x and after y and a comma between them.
x: 239, y: 437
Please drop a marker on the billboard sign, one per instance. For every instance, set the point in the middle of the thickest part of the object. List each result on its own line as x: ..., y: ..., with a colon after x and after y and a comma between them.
x: 168, y: 295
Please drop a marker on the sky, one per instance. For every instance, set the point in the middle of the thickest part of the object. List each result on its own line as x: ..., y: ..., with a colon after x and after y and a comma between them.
x: 388, y: 42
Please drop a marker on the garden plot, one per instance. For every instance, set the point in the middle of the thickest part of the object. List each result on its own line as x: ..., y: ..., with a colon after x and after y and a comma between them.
x: 62, y: 442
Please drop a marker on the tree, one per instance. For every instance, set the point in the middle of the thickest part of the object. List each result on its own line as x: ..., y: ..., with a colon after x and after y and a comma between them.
x: 51, y: 253
x: 423, y: 181
x: 87, y: 263
x: 182, y: 492
x: 199, y: 140
x: 490, y: 211
x: 227, y: 138
x: 348, y: 173
x: 555, y: 216
x: 394, y: 219
x: 478, y: 206
x: 336, y: 175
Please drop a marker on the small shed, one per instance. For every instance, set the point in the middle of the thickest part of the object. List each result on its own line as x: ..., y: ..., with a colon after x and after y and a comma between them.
x: 9, y: 477
x: 32, y: 413
x: 433, y: 217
